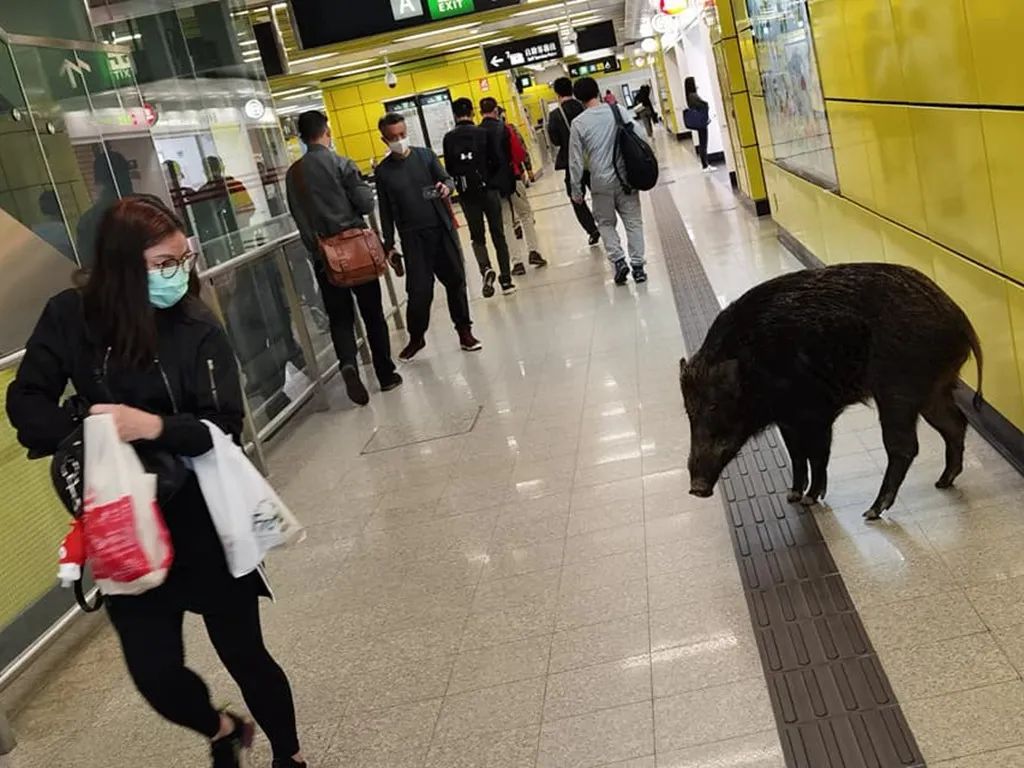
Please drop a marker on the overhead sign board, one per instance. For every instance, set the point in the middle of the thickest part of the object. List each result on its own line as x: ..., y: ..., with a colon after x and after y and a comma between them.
x: 323, y: 22
x: 520, y: 53
x: 597, y: 67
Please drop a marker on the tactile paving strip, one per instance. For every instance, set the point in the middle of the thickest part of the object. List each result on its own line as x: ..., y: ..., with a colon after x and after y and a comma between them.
x: 833, y: 703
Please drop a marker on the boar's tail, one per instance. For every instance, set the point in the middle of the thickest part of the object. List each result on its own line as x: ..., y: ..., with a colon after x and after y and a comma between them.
x: 972, y: 337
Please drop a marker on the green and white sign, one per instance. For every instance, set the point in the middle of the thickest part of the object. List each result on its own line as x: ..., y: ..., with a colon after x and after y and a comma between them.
x: 444, y: 9
x: 73, y: 73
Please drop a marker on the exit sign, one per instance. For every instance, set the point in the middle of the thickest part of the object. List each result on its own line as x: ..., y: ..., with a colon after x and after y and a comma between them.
x: 443, y: 9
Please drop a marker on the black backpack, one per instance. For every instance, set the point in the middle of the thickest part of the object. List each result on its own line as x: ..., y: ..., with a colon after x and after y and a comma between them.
x: 465, y: 160
x: 637, y: 157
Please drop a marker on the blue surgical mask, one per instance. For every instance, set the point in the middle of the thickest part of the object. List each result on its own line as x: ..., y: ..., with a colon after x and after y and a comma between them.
x: 165, y: 292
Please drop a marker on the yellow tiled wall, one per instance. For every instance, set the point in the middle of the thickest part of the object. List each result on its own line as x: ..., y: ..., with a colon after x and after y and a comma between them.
x: 355, y: 103
x: 930, y: 166
x: 740, y: 79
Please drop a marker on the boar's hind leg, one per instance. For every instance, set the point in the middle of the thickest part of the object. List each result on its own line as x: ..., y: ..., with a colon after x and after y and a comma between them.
x: 899, y: 434
x: 949, y: 421
x: 820, y: 450
x: 793, y: 438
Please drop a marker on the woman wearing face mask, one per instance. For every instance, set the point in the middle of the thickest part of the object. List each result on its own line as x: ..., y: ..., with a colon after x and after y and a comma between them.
x: 136, y: 342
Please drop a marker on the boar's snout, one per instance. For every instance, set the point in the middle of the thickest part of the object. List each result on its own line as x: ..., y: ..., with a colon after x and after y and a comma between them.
x: 702, y: 489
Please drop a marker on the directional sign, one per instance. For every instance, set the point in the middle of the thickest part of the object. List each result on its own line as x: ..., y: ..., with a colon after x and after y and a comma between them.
x: 519, y: 53
x: 73, y: 73
x: 597, y: 67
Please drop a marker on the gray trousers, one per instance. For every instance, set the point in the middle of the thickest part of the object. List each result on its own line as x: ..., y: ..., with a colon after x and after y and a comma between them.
x: 610, y: 206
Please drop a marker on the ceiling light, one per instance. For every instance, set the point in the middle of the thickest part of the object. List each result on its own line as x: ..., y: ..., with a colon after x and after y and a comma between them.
x: 649, y: 45
x: 555, y: 7
x: 305, y: 95
x: 320, y: 57
x: 477, y: 45
x: 433, y: 32
x: 344, y: 74
x: 290, y: 91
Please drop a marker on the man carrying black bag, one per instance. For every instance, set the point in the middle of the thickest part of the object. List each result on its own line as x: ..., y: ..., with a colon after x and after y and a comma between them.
x: 467, y: 160
x: 559, y: 125
x: 327, y: 195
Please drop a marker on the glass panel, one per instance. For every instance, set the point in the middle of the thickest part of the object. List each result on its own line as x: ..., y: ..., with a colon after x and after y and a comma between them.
x: 793, y: 95
x: 38, y: 254
x: 223, y: 154
x: 254, y: 306
x: 62, y: 19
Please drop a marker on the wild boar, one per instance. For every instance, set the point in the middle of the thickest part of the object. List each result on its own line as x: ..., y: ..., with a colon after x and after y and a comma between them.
x: 799, y: 349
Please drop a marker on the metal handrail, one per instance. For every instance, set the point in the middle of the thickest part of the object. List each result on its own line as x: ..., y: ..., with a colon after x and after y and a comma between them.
x: 11, y: 361
x: 233, y: 265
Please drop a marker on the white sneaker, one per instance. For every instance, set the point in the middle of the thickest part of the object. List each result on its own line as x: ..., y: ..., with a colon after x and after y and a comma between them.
x: 709, y: 169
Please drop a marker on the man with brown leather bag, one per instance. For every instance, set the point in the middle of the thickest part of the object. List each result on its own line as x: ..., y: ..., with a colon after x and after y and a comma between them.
x: 329, y: 201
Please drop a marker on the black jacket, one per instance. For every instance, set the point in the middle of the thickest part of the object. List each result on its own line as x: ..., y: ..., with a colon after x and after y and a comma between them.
x: 400, y: 184
x: 467, y: 133
x: 559, y: 131
x: 501, y: 176
x: 196, y: 379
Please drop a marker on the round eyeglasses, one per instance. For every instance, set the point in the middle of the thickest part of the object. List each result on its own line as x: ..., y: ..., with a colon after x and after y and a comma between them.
x: 169, y: 267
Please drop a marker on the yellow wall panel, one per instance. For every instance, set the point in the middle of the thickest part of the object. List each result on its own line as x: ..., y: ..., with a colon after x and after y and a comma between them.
x: 894, y: 177
x: 476, y: 69
x: 436, y: 78
x: 377, y: 90
x: 755, y: 173
x: 983, y: 296
x: 809, y: 230
x: 734, y: 65
x: 363, y: 148
x: 341, y: 98
x: 850, y: 141
x: 951, y: 160
x: 744, y: 123
x: 995, y: 27
x: 726, y: 19
x: 764, y: 131
x: 1004, y: 145
x: 352, y: 120
x: 875, y: 70
x: 904, y: 247
x: 373, y: 112
x: 751, y: 70
x: 863, y: 231
x: 935, y: 50
x: 739, y: 13
x: 833, y: 54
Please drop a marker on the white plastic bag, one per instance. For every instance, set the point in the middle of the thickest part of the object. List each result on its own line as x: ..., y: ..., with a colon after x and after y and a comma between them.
x: 126, y: 540
x: 249, y: 516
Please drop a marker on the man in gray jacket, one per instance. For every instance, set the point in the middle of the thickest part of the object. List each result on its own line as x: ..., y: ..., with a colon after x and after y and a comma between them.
x: 327, y: 195
x: 592, y: 142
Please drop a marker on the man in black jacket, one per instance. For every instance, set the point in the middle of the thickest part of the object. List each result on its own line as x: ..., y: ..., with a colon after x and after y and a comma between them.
x: 327, y: 195
x: 507, y: 179
x: 414, y: 193
x: 468, y: 158
x: 559, y: 122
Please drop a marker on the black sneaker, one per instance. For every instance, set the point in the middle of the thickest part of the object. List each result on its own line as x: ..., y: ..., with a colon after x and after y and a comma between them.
x: 287, y: 763
x: 394, y: 381
x: 412, y: 349
x: 595, y: 237
x: 354, y: 385
x: 507, y: 289
x: 519, y: 269
x: 639, y: 275
x: 536, y: 260
x: 468, y: 341
x: 489, y: 278
x: 227, y: 752
x: 621, y: 272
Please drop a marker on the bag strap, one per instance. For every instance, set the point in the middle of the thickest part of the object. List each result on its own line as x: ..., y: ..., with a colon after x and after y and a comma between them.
x: 617, y: 154
x: 304, y: 197
x: 83, y: 603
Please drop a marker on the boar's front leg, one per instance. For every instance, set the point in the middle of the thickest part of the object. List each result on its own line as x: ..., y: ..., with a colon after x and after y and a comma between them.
x: 898, y: 415
x: 793, y: 437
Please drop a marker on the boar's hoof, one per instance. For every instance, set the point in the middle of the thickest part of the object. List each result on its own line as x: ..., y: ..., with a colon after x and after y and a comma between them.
x: 873, y: 514
x: 946, y: 481
x: 795, y: 496
x: 809, y: 501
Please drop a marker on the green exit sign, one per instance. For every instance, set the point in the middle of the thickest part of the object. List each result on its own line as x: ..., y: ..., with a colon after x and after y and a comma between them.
x: 443, y: 9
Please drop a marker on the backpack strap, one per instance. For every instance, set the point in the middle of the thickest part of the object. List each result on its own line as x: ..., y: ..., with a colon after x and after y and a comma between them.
x: 620, y: 126
x: 83, y: 602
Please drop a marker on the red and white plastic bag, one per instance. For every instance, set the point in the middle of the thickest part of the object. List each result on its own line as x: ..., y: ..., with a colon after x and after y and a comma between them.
x: 127, y: 543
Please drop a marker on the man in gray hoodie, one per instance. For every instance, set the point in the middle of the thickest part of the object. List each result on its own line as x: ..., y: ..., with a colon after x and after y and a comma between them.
x: 592, y: 142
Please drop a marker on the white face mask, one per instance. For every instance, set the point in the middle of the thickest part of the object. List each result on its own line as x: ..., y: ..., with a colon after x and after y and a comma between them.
x: 399, y: 147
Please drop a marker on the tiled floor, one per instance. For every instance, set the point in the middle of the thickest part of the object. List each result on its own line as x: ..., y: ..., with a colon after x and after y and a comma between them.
x: 541, y: 591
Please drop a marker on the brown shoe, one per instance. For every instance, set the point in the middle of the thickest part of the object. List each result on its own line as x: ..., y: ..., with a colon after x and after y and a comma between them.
x: 412, y: 349
x: 468, y: 341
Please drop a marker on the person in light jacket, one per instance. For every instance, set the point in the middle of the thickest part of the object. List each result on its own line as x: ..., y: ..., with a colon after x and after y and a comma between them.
x: 137, y: 343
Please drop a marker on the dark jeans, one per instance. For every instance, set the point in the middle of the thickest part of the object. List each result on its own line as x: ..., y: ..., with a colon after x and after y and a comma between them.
x: 702, y: 150
x: 341, y: 311
x: 431, y: 253
x: 487, y: 205
x: 151, y: 638
x: 582, y: 210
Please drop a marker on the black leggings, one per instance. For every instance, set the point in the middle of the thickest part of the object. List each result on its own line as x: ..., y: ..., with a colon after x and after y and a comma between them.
x: 151, y: 637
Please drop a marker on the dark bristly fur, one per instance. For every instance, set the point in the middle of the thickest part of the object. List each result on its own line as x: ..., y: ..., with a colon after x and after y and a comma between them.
x: 799, y: 349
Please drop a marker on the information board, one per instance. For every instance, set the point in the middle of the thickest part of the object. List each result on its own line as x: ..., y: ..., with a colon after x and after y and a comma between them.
x: 520, y: 53
x: 323, y: 22
x: 438, y: 117
x: 408, y: 109
x: 595, y: 68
